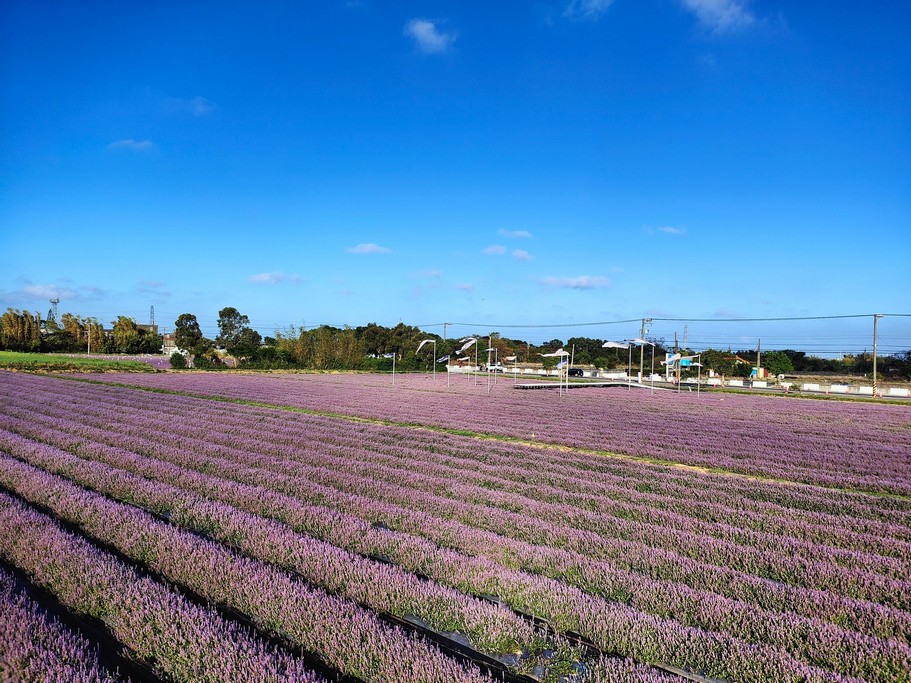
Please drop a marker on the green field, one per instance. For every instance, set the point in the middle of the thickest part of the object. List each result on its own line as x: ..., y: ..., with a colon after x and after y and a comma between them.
x: 49, y: 362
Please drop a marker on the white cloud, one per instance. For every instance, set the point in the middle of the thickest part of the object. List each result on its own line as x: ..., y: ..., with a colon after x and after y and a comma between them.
x: 428, y: 37
x: 671, y: 230
x: 194, y: 106
x: 721, y: 16
x: 431, y: 273
x: 49, y: 292
x: 578, y: 282
x: 152, y: 287
x: 495, y: 250
x: 465, y: 287
x: 368, y: 248
x: 589, y: 10
x: 516, y: 234
x: 133, y: 145
x: 521, y: 255
x: 273, y: 278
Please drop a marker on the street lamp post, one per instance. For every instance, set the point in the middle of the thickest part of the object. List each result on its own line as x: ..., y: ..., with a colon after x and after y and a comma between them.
x: 629, y: 349
x: 560, y: 353
x: 434, y: 342
x: 467, y: 343
x: 642, y: 342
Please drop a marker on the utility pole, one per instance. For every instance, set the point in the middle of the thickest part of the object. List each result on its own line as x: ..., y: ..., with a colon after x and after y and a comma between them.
x: 642, y: 332
x: 876, y: 317
x: 677, y: 352
x: 758, y: 357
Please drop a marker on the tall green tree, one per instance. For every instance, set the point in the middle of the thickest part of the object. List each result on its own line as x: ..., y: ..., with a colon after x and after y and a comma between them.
x: 20, y: 330
x: 231, y: 325
x: 187, y: 334
x: 125, y: 335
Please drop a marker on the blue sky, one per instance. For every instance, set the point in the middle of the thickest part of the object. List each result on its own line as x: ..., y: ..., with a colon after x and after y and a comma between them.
x: 487, y: 163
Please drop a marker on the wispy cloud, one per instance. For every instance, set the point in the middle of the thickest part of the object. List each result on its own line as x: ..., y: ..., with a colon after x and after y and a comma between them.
x: 495, y: 250
x: 428, y: 37
x: 465, y: 287
x: 49, y: 292
x: 194, y: 106
x: 521, y: 255
x: 516, y: 234
x: 671, y: 230
x: 721, y: 16
x: 152, y: 287
x: 368, y: 248
x: 273, y: 278
x: 577, y: 282
x: 133, y: 145
x: 430, y: 273
x: 586, y: 10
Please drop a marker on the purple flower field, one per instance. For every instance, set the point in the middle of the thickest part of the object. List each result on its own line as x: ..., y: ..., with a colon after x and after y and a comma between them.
x: 852, y: 445
x: 228, y: 541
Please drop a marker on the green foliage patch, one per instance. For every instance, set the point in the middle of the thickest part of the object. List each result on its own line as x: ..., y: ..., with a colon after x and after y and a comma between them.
x: 49, y: 362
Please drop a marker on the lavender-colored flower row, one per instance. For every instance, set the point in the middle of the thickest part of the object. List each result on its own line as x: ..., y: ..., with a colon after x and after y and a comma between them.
x: 782, y: 559
x: 237, y: 413
x: 382, y: 587
x: 831, y: 443
x: 265, y: 594
x: 35, y: 647
x: 840, y: 618
x: 183, y: 641
x: 849, y: 652
x: 347, y: 637
x: 831, y: 510
x: 542, y: 524
x: 828, y: 509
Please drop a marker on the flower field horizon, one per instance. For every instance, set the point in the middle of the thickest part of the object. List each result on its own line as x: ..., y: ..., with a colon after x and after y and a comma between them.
x: 233, y: 527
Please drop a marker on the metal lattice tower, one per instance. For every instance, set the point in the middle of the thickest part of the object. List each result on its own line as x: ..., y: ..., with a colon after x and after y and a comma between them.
x: 52, y: 313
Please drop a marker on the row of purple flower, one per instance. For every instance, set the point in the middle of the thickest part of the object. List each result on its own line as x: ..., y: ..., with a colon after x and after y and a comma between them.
x: 876, y: 659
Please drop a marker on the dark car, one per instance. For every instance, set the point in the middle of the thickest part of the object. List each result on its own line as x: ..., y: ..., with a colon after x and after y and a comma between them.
x: 575, y: 372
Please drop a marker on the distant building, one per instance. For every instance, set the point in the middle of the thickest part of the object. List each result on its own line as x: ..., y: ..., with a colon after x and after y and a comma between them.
x: 169, y: 342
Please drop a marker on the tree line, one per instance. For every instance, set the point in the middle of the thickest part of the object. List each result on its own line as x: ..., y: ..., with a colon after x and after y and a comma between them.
x: 26, y: 331
x: 373, y: 346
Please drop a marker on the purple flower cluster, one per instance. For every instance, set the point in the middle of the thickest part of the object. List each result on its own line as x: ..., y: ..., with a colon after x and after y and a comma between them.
x: 468, y: 517
x: 347, y: 637
x: 34, y: 647
x: 836, y: 444
x: 184, y: 642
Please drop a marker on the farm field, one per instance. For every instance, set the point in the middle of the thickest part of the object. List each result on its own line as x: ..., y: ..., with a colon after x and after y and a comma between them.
x: 355, y: 531
x: 854, y: 446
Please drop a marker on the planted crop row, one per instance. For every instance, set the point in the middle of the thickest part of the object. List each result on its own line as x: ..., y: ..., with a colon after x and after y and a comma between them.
x: 813, y: 640
x: 35, y: 647
x: 537, y: 524
x: 828, y: 509
x: 721, y: 583
x: 727, y: 497
x: 183, y: 641
x: 384, y: 588
x: 348, y: 638
x: 835, y: 444
x: 866, y: 617
x: 813, y: 567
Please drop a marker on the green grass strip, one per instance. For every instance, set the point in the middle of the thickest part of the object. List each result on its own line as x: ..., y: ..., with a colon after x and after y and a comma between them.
x: 50, y: 362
